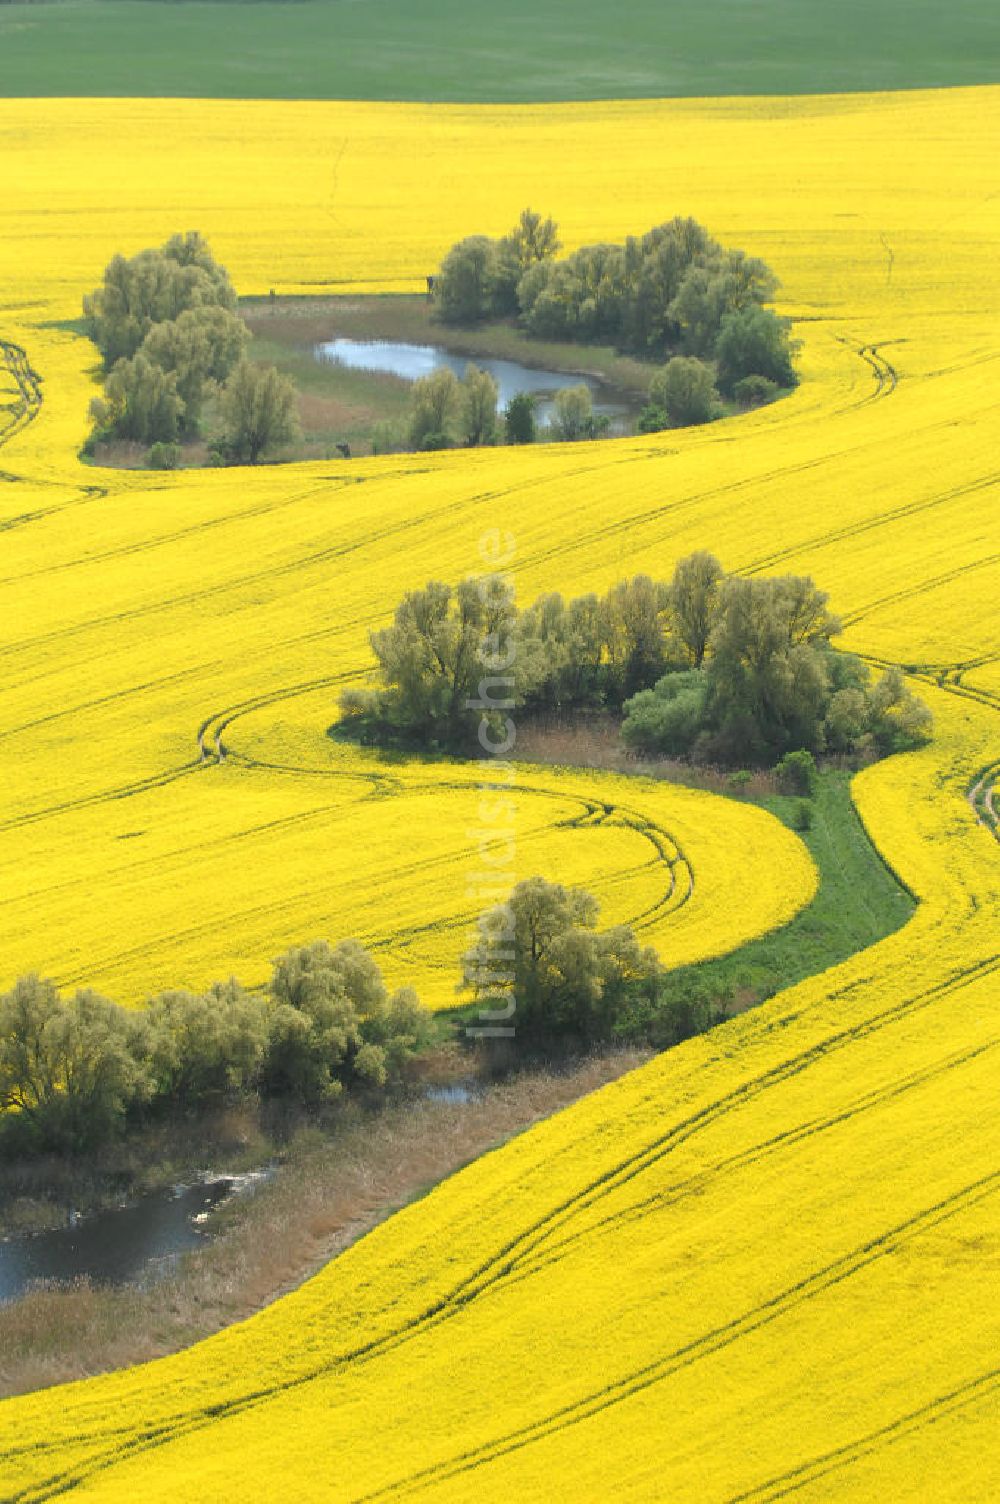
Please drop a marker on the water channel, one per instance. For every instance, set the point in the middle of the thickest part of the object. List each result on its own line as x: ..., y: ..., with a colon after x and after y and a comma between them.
x: 128, y: 1244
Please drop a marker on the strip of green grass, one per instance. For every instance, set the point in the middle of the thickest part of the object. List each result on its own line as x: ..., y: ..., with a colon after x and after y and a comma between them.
x: 859, y: 901
x: 478, y: 50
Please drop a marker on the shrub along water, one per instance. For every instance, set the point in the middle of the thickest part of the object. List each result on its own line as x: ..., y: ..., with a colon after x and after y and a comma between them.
x: 673, y: 293
x: 74, y: 1071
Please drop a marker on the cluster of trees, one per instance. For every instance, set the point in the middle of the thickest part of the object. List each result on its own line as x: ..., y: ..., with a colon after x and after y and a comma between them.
x: 706, y: 666
x: 166, y: 325
x: 674, y: 291
x: 445, y: 412
x: 751, y: 675
x: 74, y: 1070
x: 540, y: 958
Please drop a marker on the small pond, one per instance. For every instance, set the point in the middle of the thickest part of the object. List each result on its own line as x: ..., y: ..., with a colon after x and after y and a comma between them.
x: 123, y: 1245
x: 413, y: 361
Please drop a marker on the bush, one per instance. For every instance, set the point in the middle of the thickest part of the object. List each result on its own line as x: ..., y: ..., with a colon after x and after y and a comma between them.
x: 803, y: 815
x: 540, y: 963
x: 652, y: 419
x: 141, y: 402
x: 259, y: 412
x: 755, y: 391
x: 464, y: 287
x: 434, y: 440
x: 666, y: 719
x: 519, y: 419
x: 573, y: 418
x: 754, y: 342
x: 164, y: 456
x: 434, y: 410
x: 898, y: 721
x: 685, y: 390
x: 740, y: 781
x: 797, y: 773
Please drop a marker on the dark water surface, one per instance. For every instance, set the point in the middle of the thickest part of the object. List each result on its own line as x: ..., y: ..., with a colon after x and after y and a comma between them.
x: 123, y: 1245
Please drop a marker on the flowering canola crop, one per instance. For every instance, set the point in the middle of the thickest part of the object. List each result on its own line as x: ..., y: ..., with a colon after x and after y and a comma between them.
x: 764, y: 1265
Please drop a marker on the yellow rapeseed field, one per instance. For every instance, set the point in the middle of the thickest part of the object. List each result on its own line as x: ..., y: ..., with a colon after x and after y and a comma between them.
x: 766, y: 1264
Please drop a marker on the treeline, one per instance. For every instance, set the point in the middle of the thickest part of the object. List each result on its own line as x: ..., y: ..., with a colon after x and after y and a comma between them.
x: 165, y: 323
x: 712, y: 667
x: 74, y: 1071
x: 673, y: 292
x: 445, y: 412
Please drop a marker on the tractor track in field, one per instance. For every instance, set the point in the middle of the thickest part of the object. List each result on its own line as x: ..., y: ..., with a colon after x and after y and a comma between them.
x: 955, y: 1400
x: 29, y: 386
x: 16, y: 361
x: 884, y: 374
x: 755, y: 1154
x: 494, y: 1270
x: 751, y: 1321
x: 981, y: 791
x: 514, y: 1260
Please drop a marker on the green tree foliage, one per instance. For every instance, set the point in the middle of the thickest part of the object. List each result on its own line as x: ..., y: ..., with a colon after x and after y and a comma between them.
x: 896, y: 719
x: 478, y: 407
x: 634, y: 649
x: 684, y: 390
x: 334, y: 1023
x: 767, y: 683
x: 157, y: 395
x: 259, y: 412
x: 164, y: 456
x: 798, y: 774
x: 442, y: 665
x: 532, y: 240
x: 140, y: 402
x: 435, y: 410
x: 706, y: 666
x: 153, y: 287
x: 479, y: 277
x: 573, y: 417
x: 692, y: 605
x: 755, y: 391
x: 768, y: 678
x: 165, y: 324
x: 542, y: 950
x: 667, y: 720
x: 754, y: 342
x: 561, y: 662
x: 204, y: 1046
x: 68, y: 1069
x: 72, y: 1070
x: 592, y: 651
x: 199, y: 348
x: 671, y: 290
x: 519, y: 419
x: 464, y: 286
x: 712, y: 289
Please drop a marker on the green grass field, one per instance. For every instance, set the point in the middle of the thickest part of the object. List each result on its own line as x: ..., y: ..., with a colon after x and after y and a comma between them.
x: 858, y: 902
x: 470, y: 50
